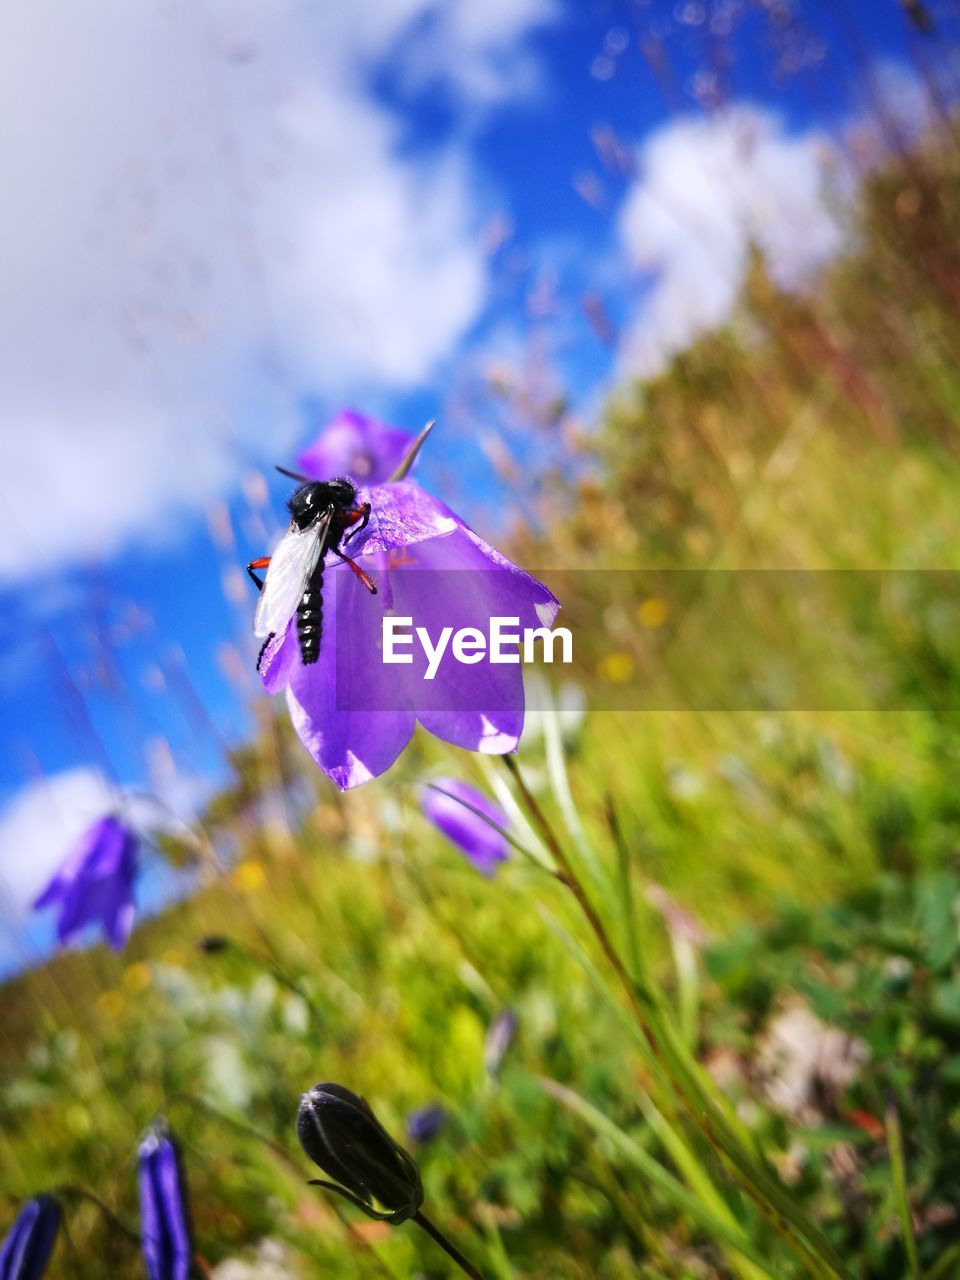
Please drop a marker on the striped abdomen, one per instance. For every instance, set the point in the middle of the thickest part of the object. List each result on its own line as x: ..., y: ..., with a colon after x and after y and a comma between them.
x: 310, y: 617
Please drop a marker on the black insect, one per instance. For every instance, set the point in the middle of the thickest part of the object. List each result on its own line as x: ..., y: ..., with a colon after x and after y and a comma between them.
x: 323, y: 514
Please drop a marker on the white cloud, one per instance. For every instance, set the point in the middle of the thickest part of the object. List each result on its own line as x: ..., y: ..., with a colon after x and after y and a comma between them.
x: 708, y: 189
x: 484, y: 41
x: 207, y: 212
x: 39, y: 826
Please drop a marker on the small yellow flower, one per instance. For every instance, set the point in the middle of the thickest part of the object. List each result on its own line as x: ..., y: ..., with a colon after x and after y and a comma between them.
x: 248, y: 877
x: 109, y: 1004
x: 137, y: 977
x: 616, y: 667
x: 652, y: 613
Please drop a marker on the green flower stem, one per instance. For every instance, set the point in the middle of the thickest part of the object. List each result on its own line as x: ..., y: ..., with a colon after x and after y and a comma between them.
x: 70, y: 1192
x: 449, y: 1248
x: 898, y: 1169
x: 665, y: 1047
x: 625, y: 884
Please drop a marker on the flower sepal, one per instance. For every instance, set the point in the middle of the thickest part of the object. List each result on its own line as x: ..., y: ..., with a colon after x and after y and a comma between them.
x: 394, y: 1218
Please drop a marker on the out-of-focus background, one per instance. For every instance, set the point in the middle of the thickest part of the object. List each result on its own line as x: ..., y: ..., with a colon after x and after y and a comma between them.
x: 681, y: 284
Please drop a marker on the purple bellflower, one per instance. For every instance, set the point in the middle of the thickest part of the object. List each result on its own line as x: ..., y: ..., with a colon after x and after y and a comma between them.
x: 164, y: 1224
x: 450, y: 805
x: 425, y: 1123
x: 95, y: 883
x: 355, y: 713
x: 29, y: 1243
x: 354, y: 445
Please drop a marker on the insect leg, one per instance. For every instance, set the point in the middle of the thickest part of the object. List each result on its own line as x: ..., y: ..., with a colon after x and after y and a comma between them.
x: 364, y: 516
x: 362, y: 574
x: 262, y: 563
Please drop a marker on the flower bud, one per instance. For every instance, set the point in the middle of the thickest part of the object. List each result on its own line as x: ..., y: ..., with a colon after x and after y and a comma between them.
x: 164, y: 1222
x: 468, y: 819
x: 340, y: 1133
x: 27, y: 1248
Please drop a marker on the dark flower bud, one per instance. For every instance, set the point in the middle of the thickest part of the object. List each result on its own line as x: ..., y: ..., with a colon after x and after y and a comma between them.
x: 29, y: 1243
x: 164, y: 1220
x: 340, y: 1133
x: 425, y: 1123
x: 213, y: 944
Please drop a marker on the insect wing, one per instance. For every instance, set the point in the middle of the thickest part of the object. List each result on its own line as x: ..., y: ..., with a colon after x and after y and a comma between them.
x: 290, y: 568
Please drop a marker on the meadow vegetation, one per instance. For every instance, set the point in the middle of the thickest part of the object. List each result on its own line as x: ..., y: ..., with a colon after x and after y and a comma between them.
x: 790, y: 874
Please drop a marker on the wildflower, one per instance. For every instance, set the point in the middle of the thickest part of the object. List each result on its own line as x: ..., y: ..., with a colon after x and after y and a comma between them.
x: 353, y: 712
x: 425, y: 1123
x: 499, y: 1039
x: 164, y: 1226
x: 340, y: 1133
x: 354, y: 445
x: 29, y: 1243
x: 95, y: 883
x: 465, y: 815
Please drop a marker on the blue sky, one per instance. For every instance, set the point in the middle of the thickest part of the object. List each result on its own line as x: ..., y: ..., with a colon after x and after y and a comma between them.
x: 225, y: 221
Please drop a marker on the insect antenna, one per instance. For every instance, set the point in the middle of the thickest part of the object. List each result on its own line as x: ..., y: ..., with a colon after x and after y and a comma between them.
x: 294, y: 475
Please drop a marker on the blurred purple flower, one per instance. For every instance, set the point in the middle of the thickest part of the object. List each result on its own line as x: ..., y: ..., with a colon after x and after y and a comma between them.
x: 164, y: 1229
x: 499, y: 1039
x: 354, y: 445
x: 445, y: 803
x: 354, y: 713
x: 29, y: 1243
x: 425, y: 1123
x: 95, y: 883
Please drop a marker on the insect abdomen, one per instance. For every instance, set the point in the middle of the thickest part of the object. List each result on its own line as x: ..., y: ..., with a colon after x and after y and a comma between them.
x: 310, y: 617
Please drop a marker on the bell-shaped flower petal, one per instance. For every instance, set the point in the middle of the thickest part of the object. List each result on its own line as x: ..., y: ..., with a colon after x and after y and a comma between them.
x: 350, y: 745
x: 353, y: 711
x: 353, y: 445
x: 164, y: 1220
x: 95, y: 883
x: 29, y: 1243
x: 469, y: 819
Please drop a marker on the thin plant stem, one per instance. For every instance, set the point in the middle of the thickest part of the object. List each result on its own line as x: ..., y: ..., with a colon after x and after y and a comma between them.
x: 626, y: 886
x: 791, y: 1223
x: 495, y: 826
x: 898, y: 1169
x: 197, y: 1269
x: 447, y: 1246
x: 567, y: 876
x: 71, y: 1192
